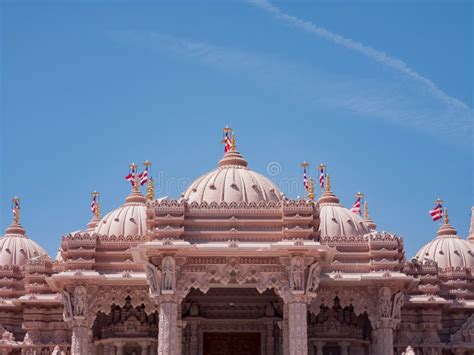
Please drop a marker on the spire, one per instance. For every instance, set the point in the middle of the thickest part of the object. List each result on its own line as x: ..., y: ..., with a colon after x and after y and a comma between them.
x: 232, y: 157
x: 328, y: 196
x: 135, y: 195
x: 370, y: 223
x: 150, y: 189
x: 311, y: 189
x: 470, y: 237
x: 15, y: 227
x: 446, y: 229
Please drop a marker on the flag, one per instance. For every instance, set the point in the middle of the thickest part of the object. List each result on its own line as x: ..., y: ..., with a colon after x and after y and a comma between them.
x: 437, y: 212
x: 227, y: 142
x: 131, y: 176
x: 356, y: 207
x: 143, y: 177
x: 321, y: 177
x: 305, y: 179
x: 94, y: 203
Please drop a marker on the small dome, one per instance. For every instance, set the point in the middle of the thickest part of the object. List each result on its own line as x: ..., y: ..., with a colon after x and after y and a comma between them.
x: 127, y: 220
x: 448, y: 250
x: 336, y: 220
x: 16, y: 248
x: 232, y: 181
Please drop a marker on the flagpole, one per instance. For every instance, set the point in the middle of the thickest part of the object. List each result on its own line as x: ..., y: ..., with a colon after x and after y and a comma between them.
x: 305, y: 165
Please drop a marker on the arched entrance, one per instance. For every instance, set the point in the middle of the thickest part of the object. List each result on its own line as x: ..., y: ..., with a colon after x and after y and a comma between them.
x: 232, y: 321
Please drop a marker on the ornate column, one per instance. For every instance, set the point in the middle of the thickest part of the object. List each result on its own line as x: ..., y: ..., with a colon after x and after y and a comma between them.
x: 344, y: 345
x: 270, y: 339
x: 319, y: 347
x: 298, y: 330
x: 168, y: 328
x: 193, y: 348
x: 387, y: 318
x: 78, y: 318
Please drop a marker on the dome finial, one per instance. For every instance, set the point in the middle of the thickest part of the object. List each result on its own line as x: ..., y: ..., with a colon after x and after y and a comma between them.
x: 16, y: 209
x: 311, y: 189
x: 150, y: 189
x: 366, y: 210
x: 446, y: 217
x: 328, y: 183
x: 232, y: 142
x: 471, y: 229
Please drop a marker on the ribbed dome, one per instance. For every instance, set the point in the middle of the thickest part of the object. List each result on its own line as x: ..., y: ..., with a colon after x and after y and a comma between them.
x: 232, y: 181
x: 336, y: 220
x: 127, y: 220
x: 448, y: 250
x: 16, y: 248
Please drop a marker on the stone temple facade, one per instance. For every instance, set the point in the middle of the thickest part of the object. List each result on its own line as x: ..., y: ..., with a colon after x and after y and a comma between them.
x: 235, y: 267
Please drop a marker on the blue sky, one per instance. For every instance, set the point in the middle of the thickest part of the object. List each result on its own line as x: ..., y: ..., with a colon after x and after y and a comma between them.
x: 381, y: 92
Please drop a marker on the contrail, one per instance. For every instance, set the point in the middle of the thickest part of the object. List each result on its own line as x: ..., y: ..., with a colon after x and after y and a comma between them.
x: 365, y: 50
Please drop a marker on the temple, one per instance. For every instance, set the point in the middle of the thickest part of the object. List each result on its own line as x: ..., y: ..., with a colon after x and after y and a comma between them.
x: 235, y: 267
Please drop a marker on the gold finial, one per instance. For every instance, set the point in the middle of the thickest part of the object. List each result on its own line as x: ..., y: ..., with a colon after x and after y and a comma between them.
x: 446, y: 217
x: 232, y: 142
x: 227, y: 129
x: 366, y: 210
x: 322, y: 166
x: 328, y: 183
x: 150, y: 191
x: 359, y: 195
x: 133, y: 167
x: 311, y: 189
x: 16, y: 209
x: 439, y: 201
x: 304, y: 164
x: 147, y: 164
x: 96, y: 206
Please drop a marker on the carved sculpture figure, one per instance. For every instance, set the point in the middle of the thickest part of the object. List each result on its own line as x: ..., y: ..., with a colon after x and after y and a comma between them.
x: 67, y: 312
x: 313, y: 278
x: 153, y: 276
x: 80, y: 301
x: 297, y: 276
x: 408, y: 351
x: 385, y: 296
x: 168, y: 273
x: 397, y: 305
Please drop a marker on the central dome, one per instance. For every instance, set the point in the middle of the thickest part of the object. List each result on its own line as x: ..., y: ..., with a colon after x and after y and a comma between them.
x: 232, y: 181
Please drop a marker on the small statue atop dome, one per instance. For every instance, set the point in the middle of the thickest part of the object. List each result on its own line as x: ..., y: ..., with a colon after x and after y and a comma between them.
x: 95, y: 205
x: 16, y: 209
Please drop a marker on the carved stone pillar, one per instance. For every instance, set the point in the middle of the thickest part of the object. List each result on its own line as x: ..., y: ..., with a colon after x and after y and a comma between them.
x: 298, y: 328
x: 344, y: 345
x: 383, y: 336
x: 319, y: 347
x: 81, y: 340
x: 193, y: 348
x: 168, y: 328
x: 284, y: 330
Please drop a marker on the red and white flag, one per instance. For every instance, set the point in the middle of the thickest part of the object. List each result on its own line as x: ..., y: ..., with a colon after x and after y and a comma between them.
x: 437, y: 212
x: 94, y: 203
x: 143, y: 177
x: 227, y: 142
x: 131, y: 176
x: 321, y: 177
x: 305, y: 179
x: 356, y: 206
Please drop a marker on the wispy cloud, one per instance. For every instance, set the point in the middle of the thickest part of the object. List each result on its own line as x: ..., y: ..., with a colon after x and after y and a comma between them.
x: 372, y: 53
x: 369, y: 99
